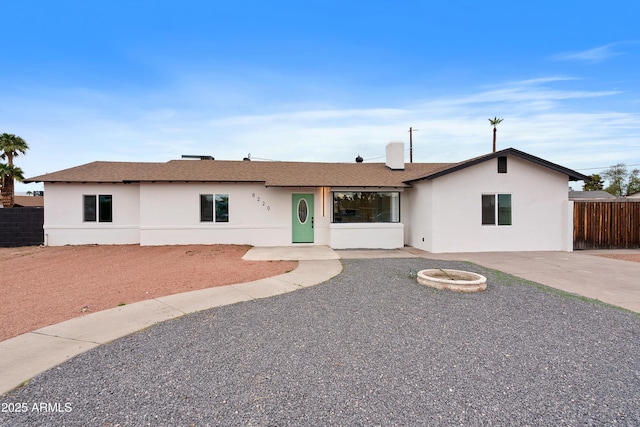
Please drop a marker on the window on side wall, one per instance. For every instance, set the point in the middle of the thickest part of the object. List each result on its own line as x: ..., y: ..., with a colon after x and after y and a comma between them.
x: 214, y: 207
x: 105, y: 208
x: 222, y: 208
x: 97, y: 207
x: 365, y: 206
x: 496, y: 209
x: 89, y: 208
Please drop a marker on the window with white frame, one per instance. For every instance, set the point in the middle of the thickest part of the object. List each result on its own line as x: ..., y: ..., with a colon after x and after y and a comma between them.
x: 214, y: 208
x: 496, y: 209
x: 97, y: 207
x: 366, y: 206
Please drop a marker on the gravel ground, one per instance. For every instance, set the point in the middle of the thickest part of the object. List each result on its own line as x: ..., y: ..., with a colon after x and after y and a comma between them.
x: 369, y: 347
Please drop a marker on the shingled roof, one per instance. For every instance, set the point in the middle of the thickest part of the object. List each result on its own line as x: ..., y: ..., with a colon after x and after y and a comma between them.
x: 278, y: 174
x: 571, y: 174
x: 29, y: 201
x: 272, y: 174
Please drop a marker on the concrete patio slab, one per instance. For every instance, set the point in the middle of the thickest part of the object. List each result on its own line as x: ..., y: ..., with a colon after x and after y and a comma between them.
x: 374, y: 253
x: 290, y: 253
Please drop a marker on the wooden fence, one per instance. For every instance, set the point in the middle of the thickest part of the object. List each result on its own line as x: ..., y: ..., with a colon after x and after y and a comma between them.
x: 606, y: 224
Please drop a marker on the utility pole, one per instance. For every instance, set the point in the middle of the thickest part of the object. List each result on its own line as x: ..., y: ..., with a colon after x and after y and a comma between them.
x: 411, y: 130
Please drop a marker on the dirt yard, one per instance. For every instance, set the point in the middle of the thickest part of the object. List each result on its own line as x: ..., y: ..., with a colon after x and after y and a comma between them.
x: 42, y: 286
x: 624, y: 257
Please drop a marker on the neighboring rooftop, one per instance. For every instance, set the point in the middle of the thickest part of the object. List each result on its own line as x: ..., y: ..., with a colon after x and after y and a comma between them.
x: 590, y: 195
x: 28, y: 201
x: 635, y: 195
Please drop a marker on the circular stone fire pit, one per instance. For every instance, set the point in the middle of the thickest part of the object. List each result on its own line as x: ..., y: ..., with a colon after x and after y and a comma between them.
x: 454, y: 280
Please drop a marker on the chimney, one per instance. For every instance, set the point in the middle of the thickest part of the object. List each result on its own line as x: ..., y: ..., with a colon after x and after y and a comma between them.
x: 395, y: 155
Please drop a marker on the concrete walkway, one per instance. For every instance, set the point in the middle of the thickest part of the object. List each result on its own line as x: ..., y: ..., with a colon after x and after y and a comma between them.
x: 21, y: 358
x: 27, y: 355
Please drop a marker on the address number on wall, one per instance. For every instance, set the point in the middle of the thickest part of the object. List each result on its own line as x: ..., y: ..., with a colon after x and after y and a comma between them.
x: 260, y: 201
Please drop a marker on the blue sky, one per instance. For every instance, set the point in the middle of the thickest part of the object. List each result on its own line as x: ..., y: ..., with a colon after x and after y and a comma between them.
x: 320, y: 80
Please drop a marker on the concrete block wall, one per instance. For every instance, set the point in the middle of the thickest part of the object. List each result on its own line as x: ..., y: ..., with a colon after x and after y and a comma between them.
x: 21, y: 227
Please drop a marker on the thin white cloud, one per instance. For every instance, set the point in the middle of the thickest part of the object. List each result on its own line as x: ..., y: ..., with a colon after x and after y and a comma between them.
x: 595, y: 55
x: 533, y: 90
x: 541, y: 116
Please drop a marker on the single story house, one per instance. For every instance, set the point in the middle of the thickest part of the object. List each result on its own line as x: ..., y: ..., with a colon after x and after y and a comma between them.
x: 503, y: 201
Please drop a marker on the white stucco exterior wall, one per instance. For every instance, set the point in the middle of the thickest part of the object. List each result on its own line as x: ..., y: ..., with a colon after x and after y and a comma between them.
x: 169, y: 214
x: 322, y: 212
x: 64, y: 225
x: 258, y: 215
x: 367, y: 235
x: 541, y: 219
x: 419, y: 220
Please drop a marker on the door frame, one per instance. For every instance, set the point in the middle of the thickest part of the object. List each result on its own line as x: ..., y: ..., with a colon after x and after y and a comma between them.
x: 302, y: 232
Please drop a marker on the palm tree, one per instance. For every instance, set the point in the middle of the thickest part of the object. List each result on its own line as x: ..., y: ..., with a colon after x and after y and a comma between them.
x: 494, y: 122
x: 8, y: 174
x: 10, y: 146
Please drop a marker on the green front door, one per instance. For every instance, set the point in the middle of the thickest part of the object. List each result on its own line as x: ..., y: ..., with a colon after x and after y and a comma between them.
x: 302, y: 218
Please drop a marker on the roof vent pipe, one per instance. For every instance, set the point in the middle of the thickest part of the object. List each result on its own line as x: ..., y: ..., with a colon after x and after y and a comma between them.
x: 359, y: 159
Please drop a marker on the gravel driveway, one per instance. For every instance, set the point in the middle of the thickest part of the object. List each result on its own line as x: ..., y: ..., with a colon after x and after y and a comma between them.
x: 369, y: 347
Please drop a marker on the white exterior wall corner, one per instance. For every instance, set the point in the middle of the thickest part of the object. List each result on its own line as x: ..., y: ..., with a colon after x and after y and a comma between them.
x: 322, y: 214
x: 405, y: 213
x: 63, y: 215
x: 420, y: 224
x: 568, y: 226
x: 539, y: 209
